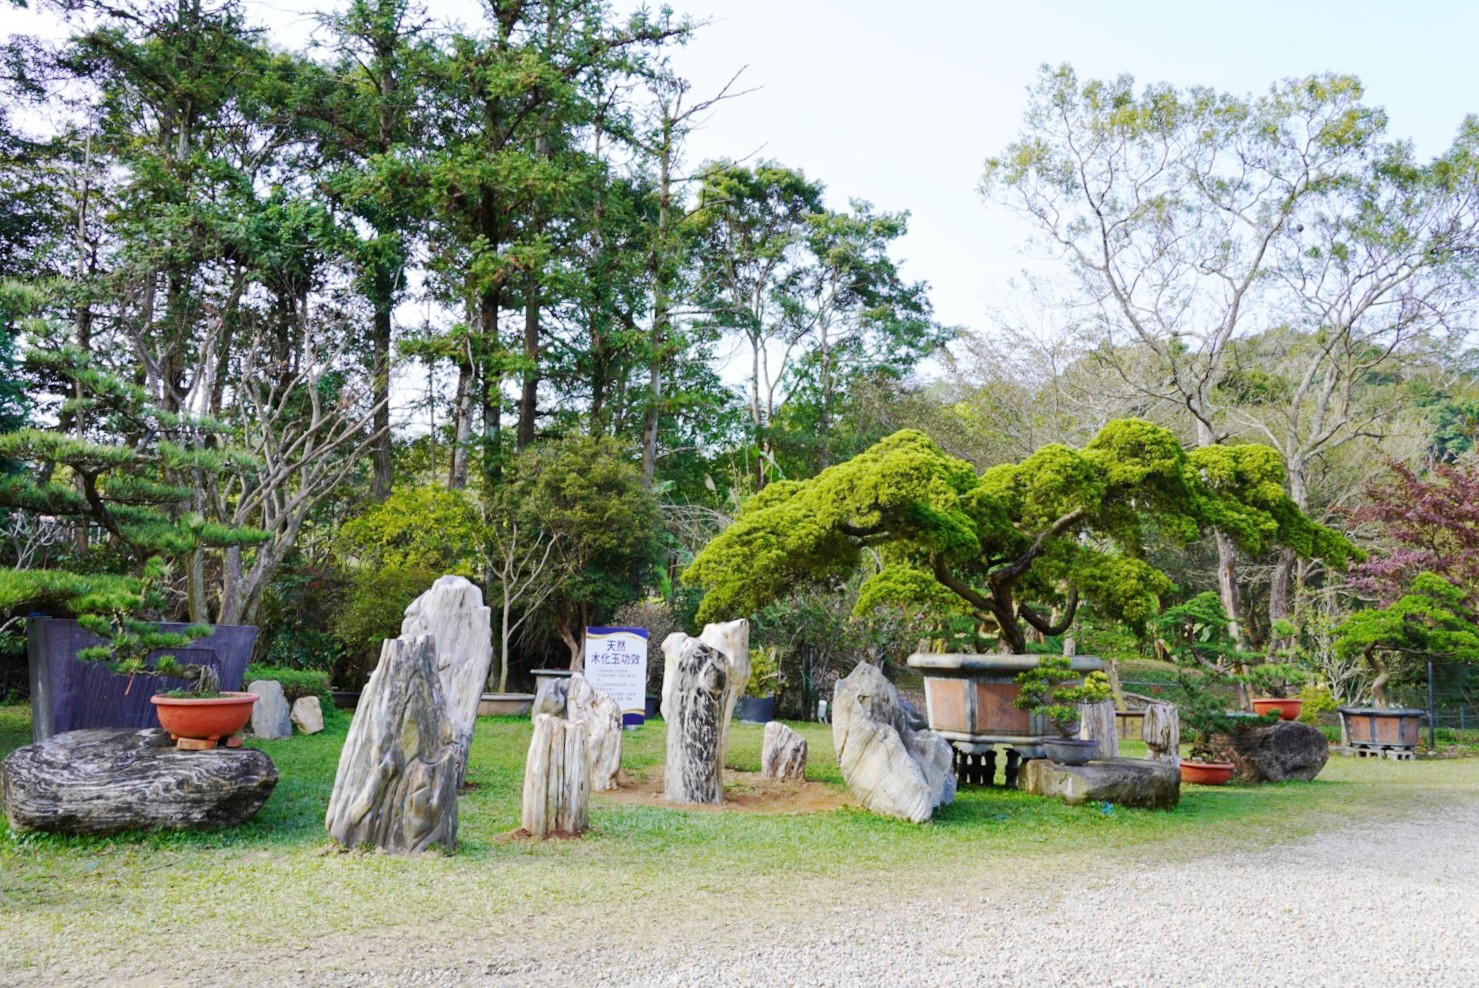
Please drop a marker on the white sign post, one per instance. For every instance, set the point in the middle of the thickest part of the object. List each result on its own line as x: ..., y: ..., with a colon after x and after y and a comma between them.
x: 616, y: 664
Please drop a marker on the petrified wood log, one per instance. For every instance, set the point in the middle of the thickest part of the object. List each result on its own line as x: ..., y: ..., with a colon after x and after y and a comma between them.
x: 696, y: 686
x: 105, y: 780
x: 576, y: 699
x: 1161, y: 731
x: 1123, y: 781
x: 731, y: 639
x: 783, y: 754
x: 452, y: 612
x: 397, y: 783
x: 1097, y: 723
x: 892, y: 768
x: 557, y: 781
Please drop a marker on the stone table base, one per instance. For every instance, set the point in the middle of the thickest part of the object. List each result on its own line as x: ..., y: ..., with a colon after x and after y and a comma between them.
x: 1122, y: 781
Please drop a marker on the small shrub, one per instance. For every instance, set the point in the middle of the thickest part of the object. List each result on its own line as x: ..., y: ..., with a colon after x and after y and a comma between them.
x: 296, y: 683
x: 765, y: 673
x: 1318, y: 701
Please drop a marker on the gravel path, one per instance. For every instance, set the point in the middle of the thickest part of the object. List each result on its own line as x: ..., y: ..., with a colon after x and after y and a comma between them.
x: 1389, y: 904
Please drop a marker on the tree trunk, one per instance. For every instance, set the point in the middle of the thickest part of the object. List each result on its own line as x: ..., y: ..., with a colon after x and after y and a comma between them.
x: 382, y: 477
x: 1161, y: 731
x: 1097, y: 723
x: 529, y: 399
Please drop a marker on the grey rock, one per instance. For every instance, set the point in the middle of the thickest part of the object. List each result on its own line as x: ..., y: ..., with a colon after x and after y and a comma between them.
x: 308, y: 714
x: 453, y: 613
x: 111, y: 779
x: 1275, y: 752
x: 694, y: 689
x: 892, y: 768
x: 783, y: 754
x: 1150, y: 785
x: 271, y: 717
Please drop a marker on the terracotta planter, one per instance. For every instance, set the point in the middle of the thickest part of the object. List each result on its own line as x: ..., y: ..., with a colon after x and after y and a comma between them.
x: 1206, y: 773
x: 1288, y: 709
x: 190, y: 718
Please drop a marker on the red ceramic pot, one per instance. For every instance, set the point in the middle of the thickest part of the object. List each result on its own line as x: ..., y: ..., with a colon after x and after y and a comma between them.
x: 1206, y: 773
x: 204, y: 719
x: 1288, y: 709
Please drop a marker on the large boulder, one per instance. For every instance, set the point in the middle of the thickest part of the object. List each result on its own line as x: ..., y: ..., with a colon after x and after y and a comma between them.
x: 106, y: 780
x: 891, y: 767
x: 452, y: 612
x: 1275, y: 752
x: 575, y: 699
x: 396, y: 787
x: 1151, y: 785
x: 694, y: 688
x: 271, y: 717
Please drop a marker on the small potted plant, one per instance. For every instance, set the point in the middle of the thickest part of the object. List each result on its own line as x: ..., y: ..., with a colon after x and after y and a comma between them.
x: 757, y: 705
x: 1276, y: 681
x: 1052, y: 691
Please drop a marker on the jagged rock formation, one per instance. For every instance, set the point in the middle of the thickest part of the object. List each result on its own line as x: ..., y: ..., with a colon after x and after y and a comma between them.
x: 892, y: 768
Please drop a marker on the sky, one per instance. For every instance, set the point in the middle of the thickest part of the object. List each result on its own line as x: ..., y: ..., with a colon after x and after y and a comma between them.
x: 901, y: 103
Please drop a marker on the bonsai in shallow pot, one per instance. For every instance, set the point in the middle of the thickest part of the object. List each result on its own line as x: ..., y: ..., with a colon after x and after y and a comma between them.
x: 1276, y: 681
x: 1052, y: 691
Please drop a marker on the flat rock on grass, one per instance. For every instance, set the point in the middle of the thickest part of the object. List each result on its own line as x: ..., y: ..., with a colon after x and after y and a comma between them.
x: 107, y: 780
x: 1121, y: 781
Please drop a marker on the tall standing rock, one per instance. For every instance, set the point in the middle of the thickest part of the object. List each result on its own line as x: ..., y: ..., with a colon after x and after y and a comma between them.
x: 783, y: 754
x: 577, y: 700
x: 694, y: 688
x: 396, y: 787
x: 731, y: 639
x: 1097, y: 722
x: 891, y: 768
x: 557, y: 780
x: 1161, y: 731
x: 271, y: 717
x: 452, y: 612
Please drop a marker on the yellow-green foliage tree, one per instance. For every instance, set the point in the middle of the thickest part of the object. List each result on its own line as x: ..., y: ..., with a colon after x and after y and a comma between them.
x: 1018, y: 545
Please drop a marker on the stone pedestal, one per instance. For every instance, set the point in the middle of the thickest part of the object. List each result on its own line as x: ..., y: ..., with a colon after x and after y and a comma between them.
x: 1121, y: 781
x: 106, y: 780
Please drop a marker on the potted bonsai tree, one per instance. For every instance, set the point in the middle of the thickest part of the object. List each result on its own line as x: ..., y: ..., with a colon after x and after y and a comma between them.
x: 757, y: 705
x: 1276, y: 681
x: 1052, y: 691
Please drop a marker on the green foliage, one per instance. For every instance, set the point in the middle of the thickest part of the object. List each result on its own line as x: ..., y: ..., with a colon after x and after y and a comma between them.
x: 1432, y: 620
x: 425, y: 528
x: 1052, y: 690
x: 296, y: 683
x: 373, y: 608
x: 1318, y: 702
x: 1011, y: 545
x: 765, y: 672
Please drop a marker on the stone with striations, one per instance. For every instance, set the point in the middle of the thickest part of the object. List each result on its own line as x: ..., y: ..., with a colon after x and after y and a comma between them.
x: 694, y: 690
x: 1160, y: 729
x: 1121, y: 781
x: 557, y: 782
x: 782, y: 754
x: 271, y: 717
x: 731, y: 639
x: 892, y: 768
x: 575, y: 699
x: 308, y: 715
x: 396, y: 788
x: 106, y: 780
x: 1275, y: 752
x: 452, y: 612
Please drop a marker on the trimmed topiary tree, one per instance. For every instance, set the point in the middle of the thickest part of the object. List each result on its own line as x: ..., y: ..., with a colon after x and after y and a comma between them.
x: 1017, y: 546
x: 1432, y: 620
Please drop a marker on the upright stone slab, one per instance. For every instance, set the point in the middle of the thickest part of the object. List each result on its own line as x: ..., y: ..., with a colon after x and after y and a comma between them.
x: 892, y: 769
x: 731, y: 639
x: 695, y: 688
x: 783, y: 754
x: 1161, y: 731
x: 396, y: 788
x: 1122, y: 781
x: 452, y: 612
x: 557, y: 782
x: 271, y: 717
x: 106, y: 780
x: 1097, y: 723
x: 308, y: 714
x: 575, y: 699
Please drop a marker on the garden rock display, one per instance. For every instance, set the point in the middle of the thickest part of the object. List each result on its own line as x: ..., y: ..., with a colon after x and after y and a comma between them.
x: 576, y: 699
x: 1122, y: 781
x: 307, y: 714
x: 270, y: 715
x: 105, y: 780
x: 695, y: 687
x: 557, y: 780
x: 1275, y: 752
x: 892, y: 768
x: 783, y: 754
x: 1160, y: 729
x: 732, y: 640
x: 452, y: 612
x: 396, y: 787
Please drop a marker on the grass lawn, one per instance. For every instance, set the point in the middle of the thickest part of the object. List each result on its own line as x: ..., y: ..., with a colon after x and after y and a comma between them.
x: 274, y: 888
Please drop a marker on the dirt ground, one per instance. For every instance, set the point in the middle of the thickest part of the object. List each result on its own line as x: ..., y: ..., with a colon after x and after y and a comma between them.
x: 744, y: 792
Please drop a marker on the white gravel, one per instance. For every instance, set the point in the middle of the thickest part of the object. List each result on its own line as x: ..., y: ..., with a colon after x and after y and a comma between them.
x: 1389, y: 904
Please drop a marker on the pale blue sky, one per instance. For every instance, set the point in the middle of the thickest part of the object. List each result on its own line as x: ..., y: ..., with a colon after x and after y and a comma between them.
x: 900, y: 103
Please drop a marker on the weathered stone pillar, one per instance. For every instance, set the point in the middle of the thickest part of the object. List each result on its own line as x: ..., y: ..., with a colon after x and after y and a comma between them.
x: 1096, y: 722
x: 557, y: 781
x: 452, y: 612
x: 1161, y: 731
x: 695, y: 687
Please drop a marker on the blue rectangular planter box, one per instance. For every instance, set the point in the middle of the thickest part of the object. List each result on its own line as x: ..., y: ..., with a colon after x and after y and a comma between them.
x: 69, y: 694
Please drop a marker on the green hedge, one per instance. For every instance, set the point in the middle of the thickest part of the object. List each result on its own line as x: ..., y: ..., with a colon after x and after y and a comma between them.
x: 295, y: 682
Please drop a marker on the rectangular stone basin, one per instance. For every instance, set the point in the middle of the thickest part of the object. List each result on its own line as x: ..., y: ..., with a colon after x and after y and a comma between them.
x: 970, y: 697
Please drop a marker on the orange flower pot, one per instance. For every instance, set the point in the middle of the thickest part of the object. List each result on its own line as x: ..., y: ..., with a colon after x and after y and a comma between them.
x: 1288, y: 709
x: 1206, y: 773
x: 204, y: 719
